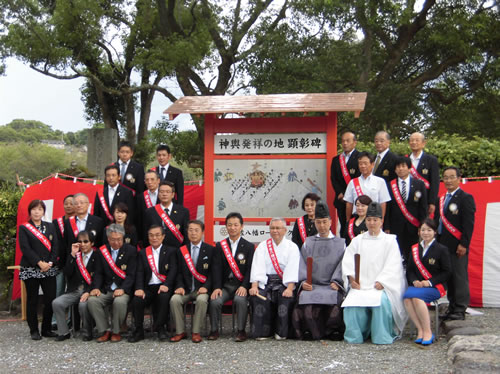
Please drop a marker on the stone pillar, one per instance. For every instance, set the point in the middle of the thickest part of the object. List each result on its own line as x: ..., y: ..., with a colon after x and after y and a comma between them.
x: 102, y: 147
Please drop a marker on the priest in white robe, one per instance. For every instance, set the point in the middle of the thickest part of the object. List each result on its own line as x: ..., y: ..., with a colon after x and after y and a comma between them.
x: 274, y: 274
x: 374, y: 306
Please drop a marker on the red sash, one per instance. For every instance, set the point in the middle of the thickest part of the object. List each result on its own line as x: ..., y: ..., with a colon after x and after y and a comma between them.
x: 83, y: 270
x: 105, y: 206
x: 131, y: 189
x: 416, y: 174
x: 147, y: 199
x: 425, y: 273
x: 343, y: 168
x: 357, y: 187
x: 74, y: 227
x: 401, y: 204
x: 151, y: 262
x: 111, y: 263
x: 350, y: 228
x: 60, y: 223
x: 168, y: 222
x: 230, y: 260
x: 39, y: 236
x: 274, y: 259
x: 452, y: 229
x: 190, y: 264
x: 302, y: 229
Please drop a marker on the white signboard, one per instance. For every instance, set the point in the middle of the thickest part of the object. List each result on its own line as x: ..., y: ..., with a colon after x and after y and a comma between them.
x: 270, y: 143
x: 252, y: 233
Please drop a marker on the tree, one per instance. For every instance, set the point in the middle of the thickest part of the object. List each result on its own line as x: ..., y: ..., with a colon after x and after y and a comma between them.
x: 20, y: 130
x: 413, y: 62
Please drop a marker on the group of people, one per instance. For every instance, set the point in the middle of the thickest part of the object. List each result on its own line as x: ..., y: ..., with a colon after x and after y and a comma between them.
x: 140, y: 249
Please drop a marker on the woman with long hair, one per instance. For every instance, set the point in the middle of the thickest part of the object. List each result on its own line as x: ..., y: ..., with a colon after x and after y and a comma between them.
x: 356, y: 224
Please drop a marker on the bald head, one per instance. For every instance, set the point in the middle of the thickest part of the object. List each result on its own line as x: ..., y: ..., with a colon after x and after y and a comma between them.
x: 417, y: 143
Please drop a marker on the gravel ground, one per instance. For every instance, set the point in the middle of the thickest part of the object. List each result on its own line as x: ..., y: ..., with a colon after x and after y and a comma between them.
x: 19, y: 354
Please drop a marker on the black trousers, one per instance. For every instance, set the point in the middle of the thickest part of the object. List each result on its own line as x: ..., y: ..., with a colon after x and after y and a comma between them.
x: 49, y: 286
x: 160, y: 302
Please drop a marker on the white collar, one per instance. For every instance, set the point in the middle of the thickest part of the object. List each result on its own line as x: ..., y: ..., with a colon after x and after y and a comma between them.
x: 416, y: 157
x: 382, y: 154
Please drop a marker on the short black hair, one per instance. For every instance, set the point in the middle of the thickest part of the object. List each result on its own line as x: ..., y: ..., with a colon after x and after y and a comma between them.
x: 429, y: 222
x: 112, y: 166
x: 34, y: 204
x: 366, y: 154
x: 363, y: 199
x: 403, y: 160
x: 234, y: 215
x: 311, y: 196
x: 67, y: 197
x: 197, y: 222
x: 88, y: 234
x: 167, y: 183
x: 155, y: 226
x: 163, y: 147
x: 126, y: 143
x: 457, y: 170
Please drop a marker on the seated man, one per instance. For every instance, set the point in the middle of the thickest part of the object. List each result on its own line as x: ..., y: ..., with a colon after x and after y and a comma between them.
x: 154, y: 284
x: 374, y: 306
x: 232, y: 277
x: 275, y: 269
x: 194, y: 281
x: 113, y: 283
x: 79, y: 270
x: 318, y: 314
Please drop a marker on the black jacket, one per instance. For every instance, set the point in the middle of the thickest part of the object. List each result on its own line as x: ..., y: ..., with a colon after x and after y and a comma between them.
x: 337, y: 178
x: 175, y: 176
x: 126, y: 261
x: 204, y: 266
x: 33, y: 249
x: 310, y: 231
x: 387, y: 167
x: 428, y: 168
x: 243, y: 257
x: 167, y: 265
x: 123, y: 195
x: 179, y: 216
x: 136, y: 179
x: 436, y: 261
x: 94, y: 225
x: 74, y: 276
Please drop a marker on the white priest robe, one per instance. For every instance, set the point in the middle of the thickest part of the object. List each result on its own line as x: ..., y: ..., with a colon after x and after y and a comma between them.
x: 380, y: 261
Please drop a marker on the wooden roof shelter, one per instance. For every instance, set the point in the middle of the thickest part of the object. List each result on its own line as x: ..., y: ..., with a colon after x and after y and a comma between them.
x: 282, y: 103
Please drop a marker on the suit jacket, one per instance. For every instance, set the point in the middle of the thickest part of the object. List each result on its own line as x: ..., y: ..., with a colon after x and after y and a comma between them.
x: 94, y: 225
x: 175, y: 176
x: 204, y: 265
x: 179, y: 216
x: 61, y: 244
x: 33, y: 249
x: 126, y: 261
x: 123, y: 195
x: 74, y: 276
x: 436, y: 261
x: 167, y: 265
x: 462, y: 218
x: 310, y: 231
x: 416, y: 205
x: 141, y: 213
x: 136, y: 180
x: 243, y: 257
x: 428, y: 168
x: 387, y: 167
x: 337, y: 178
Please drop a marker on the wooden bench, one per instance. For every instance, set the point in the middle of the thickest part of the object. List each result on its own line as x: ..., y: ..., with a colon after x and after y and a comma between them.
x: 23, y: 293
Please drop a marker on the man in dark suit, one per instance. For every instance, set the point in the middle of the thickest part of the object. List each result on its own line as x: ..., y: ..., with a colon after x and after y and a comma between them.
x: 148, y: 199
x: 168, y: 172
x: 173, y: 217
x: 82, y: 221
x: 455, y: 219
x: 79, y: 270
x: 113, y: 193
x: 344, y: 168
x: 131, y: 172
x: 385, y: 161
x: 114, y: 281
x: 407, y: 208
x: 155, y: 279
x: 194, y: 281
x: 426, y: 168
x: 231, y: 276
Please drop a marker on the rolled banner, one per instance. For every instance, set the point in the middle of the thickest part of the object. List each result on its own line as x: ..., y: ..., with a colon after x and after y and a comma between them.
x: 309, y: 270
x: 357, y: 260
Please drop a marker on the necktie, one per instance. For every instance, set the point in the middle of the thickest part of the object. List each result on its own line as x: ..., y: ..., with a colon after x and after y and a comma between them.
x: 377, y: 163
x: 446, y: 202
x: 403, y: 190
x: 85, y: 260
x: 167, y: 212
x: 123, y: 170
x: 114, y: 254
x: 162, y: 173
x: 194, y: 254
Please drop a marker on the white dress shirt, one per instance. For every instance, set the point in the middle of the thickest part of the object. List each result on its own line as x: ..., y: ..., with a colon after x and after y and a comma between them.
x: 156, y: 256
x: 373, y: 186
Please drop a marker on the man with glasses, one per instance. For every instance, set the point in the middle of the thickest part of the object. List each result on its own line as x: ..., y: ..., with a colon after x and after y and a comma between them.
x: 455, y: 219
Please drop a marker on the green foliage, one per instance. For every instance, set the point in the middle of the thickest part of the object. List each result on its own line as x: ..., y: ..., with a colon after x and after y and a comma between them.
x: 9, y: 200
x: 145, y: 151
x: 20, y: 130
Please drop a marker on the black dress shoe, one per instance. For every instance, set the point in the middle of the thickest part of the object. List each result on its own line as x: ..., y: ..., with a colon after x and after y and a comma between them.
x: 456, y: 316
x: 136, y: 337
x: 162, y: 335
x: 36, y: 335
x: 49, y: 334
x: 60, y: 338
x: 87, y: 338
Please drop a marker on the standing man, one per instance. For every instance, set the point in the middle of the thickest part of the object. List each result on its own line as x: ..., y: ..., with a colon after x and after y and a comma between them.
x: 344, y: 168
x: 194, y: 282
x: 366, y: 184
x: 455, y: 219
x: 171, y: 216
x: 112, y: 194
x: 407, y: 208
x: 425, y: 167
x: 317, y: 313
x: 275, y: 270
x: 148, y: 199
x: 231, y: 276
x: 155, y: 279
x: 168, y: 172
x: 114, y: 282
x: 131, y: 172
x: 385, y: 161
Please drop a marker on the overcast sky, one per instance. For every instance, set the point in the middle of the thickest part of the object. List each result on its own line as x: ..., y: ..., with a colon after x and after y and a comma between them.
x: 27, y: 94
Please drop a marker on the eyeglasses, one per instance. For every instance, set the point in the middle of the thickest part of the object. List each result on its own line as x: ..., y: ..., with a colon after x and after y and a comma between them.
x: 83, y: 241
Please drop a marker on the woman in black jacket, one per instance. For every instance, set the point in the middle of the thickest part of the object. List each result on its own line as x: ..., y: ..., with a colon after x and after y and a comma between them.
x: 38, y: 243
x: 428, y: 270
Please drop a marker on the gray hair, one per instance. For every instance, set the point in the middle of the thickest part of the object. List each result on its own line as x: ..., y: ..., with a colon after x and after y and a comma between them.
x: 80, y: 194
x: 385, y: 133
x: 278, y: 219
x: 114, y: 227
